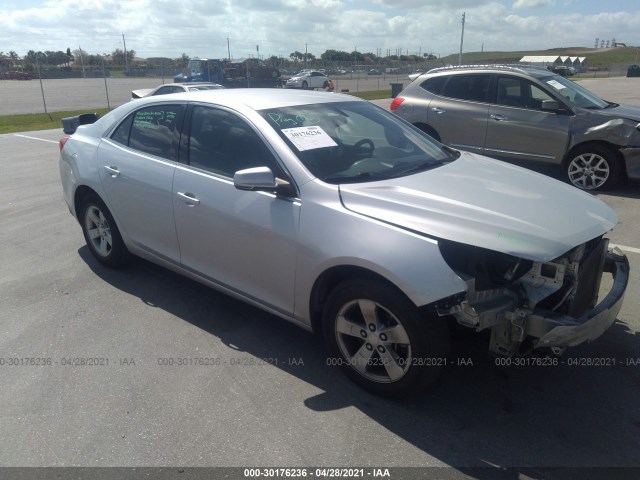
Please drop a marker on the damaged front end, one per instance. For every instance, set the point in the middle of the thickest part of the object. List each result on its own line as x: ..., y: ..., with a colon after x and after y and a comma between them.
x: 528, y: 304
x: 621, y: 133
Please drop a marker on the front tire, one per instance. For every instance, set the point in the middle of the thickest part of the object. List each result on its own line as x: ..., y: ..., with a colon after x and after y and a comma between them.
x: 305, y: 85
x: 593, y: 167
x: 381, y: 340
x: 101, y: 233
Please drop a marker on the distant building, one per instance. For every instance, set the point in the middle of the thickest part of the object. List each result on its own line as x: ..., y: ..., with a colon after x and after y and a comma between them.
x: 579, y: 63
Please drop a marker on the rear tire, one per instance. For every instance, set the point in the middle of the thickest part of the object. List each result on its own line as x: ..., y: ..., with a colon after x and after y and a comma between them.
x: 101, y: 233
x: 381, y: 340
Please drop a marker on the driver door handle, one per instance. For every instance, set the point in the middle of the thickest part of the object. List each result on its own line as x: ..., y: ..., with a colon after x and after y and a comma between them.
x: 113, y: 170
x: 499, y: 118
x: 189, y: 198
x: 438, y: 110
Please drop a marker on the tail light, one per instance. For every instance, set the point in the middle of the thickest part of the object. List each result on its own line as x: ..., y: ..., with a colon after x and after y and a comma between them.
x: 396, y: 103
x: 62, y: 141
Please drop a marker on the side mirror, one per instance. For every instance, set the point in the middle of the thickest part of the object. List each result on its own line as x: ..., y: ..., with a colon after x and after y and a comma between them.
x: 257, y: 178
x: 550, y: 105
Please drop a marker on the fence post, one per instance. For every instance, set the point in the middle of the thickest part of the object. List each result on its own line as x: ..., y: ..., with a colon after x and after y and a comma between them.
x: 106, y: 89
x: 41, y: 87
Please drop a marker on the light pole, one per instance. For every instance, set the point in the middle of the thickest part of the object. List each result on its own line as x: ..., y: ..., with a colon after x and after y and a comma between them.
x: 461, y: 39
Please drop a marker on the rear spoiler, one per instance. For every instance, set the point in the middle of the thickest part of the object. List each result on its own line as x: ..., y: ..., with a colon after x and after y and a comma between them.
x: 71, y: 124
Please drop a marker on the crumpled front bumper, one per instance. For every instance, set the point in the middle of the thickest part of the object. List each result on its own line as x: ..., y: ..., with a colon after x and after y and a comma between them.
x: 632, y: 161
x: 556, y: 330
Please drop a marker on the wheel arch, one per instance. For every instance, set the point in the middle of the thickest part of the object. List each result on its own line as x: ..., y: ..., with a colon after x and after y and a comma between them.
x: 80, y: 194
x: 330, y: 278
x: 428, y: 129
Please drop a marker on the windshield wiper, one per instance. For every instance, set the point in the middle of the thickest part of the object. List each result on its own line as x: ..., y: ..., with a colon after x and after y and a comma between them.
x: 364, y: 176
x: 422, y: 167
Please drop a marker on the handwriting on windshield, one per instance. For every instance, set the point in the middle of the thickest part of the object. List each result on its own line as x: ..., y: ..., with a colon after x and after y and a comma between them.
x: 283, y: 120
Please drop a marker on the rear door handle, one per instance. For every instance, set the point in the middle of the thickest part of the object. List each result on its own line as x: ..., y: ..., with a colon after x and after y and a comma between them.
x: 189, y: 198
x: 499, y: 118
x: 113, y: 171
x: 438, y: 110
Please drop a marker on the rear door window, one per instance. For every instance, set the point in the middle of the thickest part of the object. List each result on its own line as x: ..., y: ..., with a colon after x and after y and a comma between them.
x: 156, y: 130
x: 472, y: 87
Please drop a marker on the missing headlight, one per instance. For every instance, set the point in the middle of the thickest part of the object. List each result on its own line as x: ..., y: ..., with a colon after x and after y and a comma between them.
x: 488, y: 267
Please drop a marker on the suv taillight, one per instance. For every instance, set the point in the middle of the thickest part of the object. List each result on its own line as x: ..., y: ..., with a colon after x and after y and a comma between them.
x: 396, y: 103
x: 62, y: 141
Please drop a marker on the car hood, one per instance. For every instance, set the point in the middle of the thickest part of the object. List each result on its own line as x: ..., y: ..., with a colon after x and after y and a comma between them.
x: 622, y: 111
x: 486, y: 203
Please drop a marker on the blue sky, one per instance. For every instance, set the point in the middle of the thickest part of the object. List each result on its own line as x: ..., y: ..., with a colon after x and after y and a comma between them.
x: 279, y: 27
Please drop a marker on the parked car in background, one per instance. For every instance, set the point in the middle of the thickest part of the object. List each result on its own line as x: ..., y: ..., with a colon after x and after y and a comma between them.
x: 307, y: 79
x: 373, y: 71
x: 562, y: 70
x: 336, y: 215
x: 168, y: 88
x: 527, y: 114
x: 16, y: 75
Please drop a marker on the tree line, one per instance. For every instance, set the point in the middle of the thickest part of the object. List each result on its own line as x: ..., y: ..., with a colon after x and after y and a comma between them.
x: 118, y: 59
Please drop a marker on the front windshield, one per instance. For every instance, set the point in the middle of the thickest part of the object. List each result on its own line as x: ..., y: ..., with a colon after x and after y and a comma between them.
x: 350, y: 142
x: 196, y: 66
x: 574, y: 93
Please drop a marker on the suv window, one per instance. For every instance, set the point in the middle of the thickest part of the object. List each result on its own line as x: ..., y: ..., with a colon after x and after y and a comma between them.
x: 434, y: 84
x: 474, y: 87
x: 517, y: 92
x: 223, y: 143
x: 153, y: 130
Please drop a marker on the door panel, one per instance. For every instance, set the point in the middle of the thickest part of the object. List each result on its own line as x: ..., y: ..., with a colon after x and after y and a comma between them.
x: 138, y: 179
x: 242, y: 240
x: 518, y: 128
x: 459, y: 114
x: 521, y: 134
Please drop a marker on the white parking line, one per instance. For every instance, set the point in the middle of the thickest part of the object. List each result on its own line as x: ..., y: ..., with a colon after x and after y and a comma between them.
x: 625, y: 248
x: 34, y: 138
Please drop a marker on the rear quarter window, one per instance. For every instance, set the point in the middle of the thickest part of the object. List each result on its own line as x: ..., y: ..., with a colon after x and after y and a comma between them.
x: 434, y: 85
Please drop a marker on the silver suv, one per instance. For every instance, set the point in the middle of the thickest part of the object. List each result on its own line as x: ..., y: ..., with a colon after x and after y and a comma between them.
x: 527, y: 114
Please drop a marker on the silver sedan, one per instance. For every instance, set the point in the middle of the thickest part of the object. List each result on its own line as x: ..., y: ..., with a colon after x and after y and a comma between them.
x: 307, y: 79
x: 342, y: 218
x: 168, y: 88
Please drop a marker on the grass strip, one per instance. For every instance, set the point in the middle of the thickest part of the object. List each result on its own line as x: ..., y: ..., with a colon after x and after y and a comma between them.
x: 39, y: 121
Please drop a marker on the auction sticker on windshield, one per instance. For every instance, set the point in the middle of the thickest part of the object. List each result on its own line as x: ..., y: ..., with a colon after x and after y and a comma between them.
x: 555, y: 84
x: 309, y: 138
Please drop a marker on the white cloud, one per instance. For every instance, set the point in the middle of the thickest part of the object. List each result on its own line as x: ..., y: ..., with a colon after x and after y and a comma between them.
x: 520, y: 4
x: 201, y: 27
